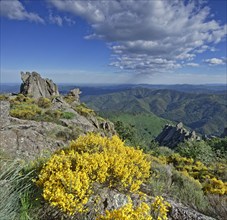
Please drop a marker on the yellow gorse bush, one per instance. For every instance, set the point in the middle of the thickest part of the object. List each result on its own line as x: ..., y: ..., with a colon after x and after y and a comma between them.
x: 160, y: 208
x: 158, y: 211
x: 127, y: 212
x: 197, y: 170
x: 67, y: 178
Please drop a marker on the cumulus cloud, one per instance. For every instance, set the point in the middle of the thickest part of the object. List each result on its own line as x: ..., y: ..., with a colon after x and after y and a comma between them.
x: 149, y: 36
x: 14, y: 10
x: 215, y: 61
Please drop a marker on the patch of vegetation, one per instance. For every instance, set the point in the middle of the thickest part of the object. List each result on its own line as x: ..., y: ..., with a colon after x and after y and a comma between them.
x: 195, y: 176
x: 198, y: 150
x: 25, y: 111
x: 44, y: 102
x: 4, y: 97
x: 82, y: 109
x: 16, y: 192
x: 67, y: 115
x: 137, y: 129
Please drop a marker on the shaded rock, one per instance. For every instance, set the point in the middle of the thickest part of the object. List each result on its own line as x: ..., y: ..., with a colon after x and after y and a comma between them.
x: 171, y: 135
x: 35, y: 86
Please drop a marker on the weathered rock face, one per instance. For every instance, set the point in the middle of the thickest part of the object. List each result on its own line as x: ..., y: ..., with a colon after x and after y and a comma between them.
x: 34, y: 85
x: 171, y: 135
x: 179, y: 211
x: 27, y: 139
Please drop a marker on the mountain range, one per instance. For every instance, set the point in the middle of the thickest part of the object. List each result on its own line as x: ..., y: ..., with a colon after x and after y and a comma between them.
x: 203, y: 112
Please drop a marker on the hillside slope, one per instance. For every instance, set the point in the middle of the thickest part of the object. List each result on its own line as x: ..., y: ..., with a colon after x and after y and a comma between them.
x: 205, y: 113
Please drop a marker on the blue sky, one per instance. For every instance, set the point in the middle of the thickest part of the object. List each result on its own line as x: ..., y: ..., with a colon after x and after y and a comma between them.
x: 115, y: 41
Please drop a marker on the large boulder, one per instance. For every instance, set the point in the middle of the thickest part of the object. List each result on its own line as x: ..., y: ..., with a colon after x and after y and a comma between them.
x: 35, y: 86
x: 171, y: 135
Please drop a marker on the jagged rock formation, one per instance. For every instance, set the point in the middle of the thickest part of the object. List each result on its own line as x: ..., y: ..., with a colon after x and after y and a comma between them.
x: 224, y: 134
x: 35, y: 86
x: 28, y: 138
x: 171, y: 135
x: 75, y: 94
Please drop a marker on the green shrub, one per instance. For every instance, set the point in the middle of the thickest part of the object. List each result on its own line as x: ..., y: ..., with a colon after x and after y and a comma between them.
x: 188, y: 191
x: 25, y: 111
x: 219, y: 147
x: 44, y: 102
x: 83, y: 110
x: 68, y: 115
x: 162, y: 151
x: 54, y: 114
x: 160, y: 180
x: 198, y: 150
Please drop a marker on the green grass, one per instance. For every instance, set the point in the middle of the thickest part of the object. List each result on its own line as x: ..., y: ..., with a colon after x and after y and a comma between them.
x: 145, y: 126
x: 14, y: 186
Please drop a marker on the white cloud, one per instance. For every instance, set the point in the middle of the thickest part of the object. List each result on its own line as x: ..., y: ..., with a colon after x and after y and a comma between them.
x: 58, y: 20
x: 55, y: 19
x: 149, y: 36
x: 14, y: 10
x: 215, y: 61
x: 69, y: 21
x: 192, y: 64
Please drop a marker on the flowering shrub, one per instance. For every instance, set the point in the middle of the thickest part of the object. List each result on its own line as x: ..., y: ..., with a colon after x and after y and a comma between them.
x: 67, y: 178
x: 127, y: 212
x: 157, y: 211
x: 197, y: 170
x: 215, y: 186
x: 159, y: 208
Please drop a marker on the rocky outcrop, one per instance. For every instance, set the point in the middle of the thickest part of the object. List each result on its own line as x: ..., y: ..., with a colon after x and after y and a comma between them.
x: 35, y: 86
x: 75, y: 94
x: 171, y: 135
x: 28, y: 138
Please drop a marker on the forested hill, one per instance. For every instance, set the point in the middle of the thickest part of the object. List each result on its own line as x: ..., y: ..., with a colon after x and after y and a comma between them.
x: 205, y: 113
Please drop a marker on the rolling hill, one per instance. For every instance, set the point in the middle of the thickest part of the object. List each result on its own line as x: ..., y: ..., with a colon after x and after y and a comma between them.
x: 205, y: 113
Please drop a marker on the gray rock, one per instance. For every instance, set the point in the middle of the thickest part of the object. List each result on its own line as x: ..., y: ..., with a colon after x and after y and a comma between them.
x: 4, y: 113
x: 75, y: 93
x: 171, y: 135
x: 35, y: 86
x: 178, y: 211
